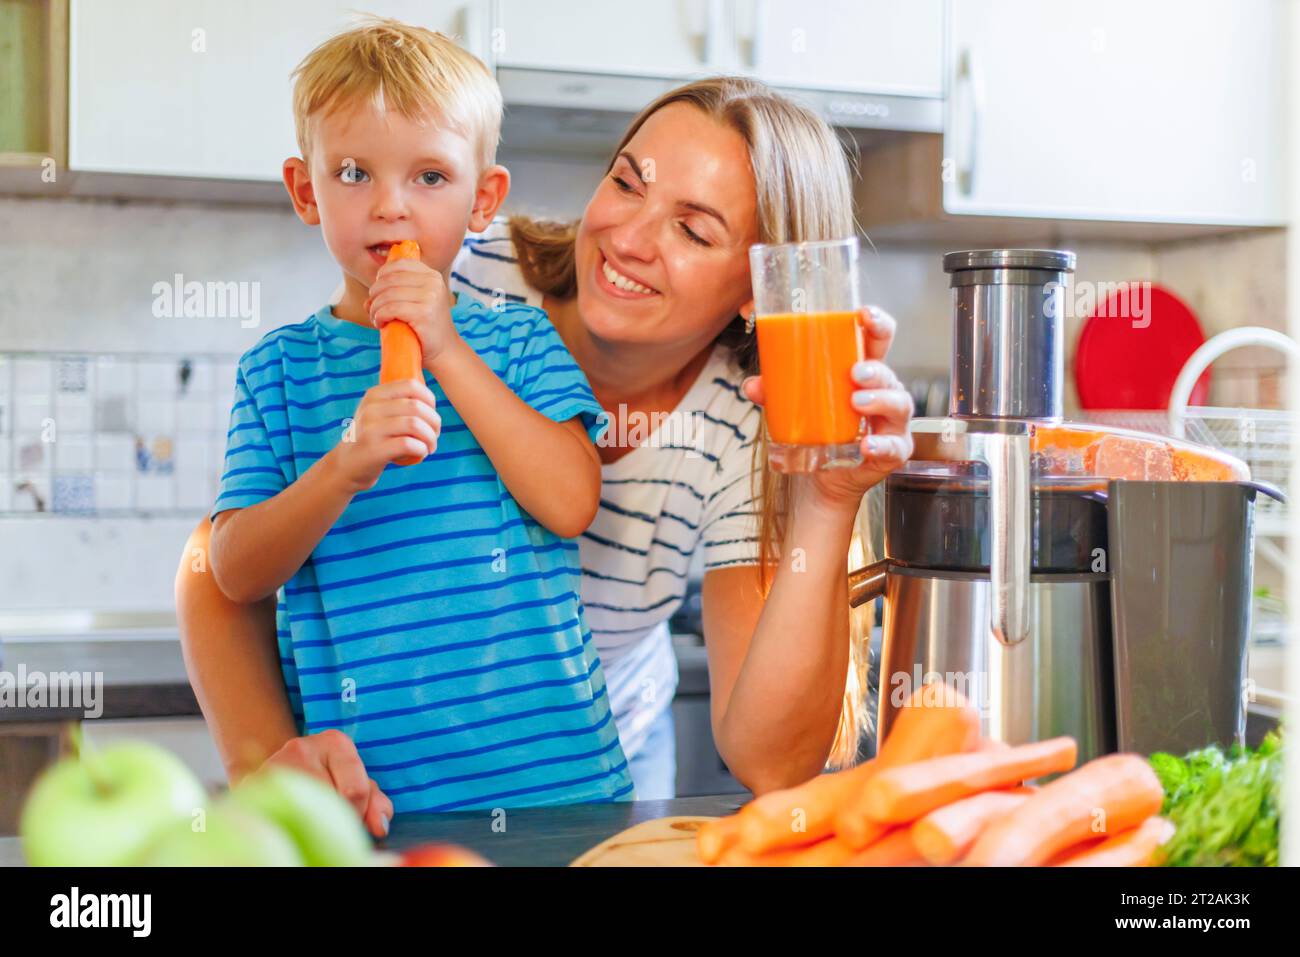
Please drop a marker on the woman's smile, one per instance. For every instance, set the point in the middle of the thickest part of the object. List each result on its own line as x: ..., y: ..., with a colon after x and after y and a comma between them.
x: 616, y: 282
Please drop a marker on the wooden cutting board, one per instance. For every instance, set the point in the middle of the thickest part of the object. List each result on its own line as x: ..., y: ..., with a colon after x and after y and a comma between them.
x: 666, y: 842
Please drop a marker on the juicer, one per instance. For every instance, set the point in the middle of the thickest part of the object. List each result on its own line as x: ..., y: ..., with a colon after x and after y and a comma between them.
x: 1068, y: 578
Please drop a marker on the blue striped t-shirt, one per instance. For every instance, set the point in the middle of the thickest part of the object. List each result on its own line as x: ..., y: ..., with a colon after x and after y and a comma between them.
x: 436, y: 624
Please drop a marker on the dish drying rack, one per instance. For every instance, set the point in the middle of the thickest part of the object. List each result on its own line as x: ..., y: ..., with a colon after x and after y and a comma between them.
x: 1262, y: 438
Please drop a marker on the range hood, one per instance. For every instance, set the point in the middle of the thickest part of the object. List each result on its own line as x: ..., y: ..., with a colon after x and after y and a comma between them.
x: 576, y: 113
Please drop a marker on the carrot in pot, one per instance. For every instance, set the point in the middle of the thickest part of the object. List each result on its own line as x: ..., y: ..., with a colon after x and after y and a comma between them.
x: 400, y: 356
x: 897, y: 848
x: 936, y: 720
x: 799, y: 815
x: 1138, y: 847
x: 898, y: 795
x: 1106, y: 796
x: 946, y: 833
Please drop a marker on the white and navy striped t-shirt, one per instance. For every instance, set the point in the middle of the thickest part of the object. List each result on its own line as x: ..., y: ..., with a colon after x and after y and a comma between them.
x: 682, y: 497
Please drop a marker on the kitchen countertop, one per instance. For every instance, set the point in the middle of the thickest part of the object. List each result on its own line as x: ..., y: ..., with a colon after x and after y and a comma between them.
x: 142, y: 678
x: 533, y: 837
x: 547, y: 836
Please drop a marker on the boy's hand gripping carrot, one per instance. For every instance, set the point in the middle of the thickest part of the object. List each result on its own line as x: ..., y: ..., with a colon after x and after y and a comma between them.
x: 399, y: 346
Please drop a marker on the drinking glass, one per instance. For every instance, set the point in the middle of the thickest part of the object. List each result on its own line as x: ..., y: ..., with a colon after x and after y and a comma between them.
x: 806, y: 301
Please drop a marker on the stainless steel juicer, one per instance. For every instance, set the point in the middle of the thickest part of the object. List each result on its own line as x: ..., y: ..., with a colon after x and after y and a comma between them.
x: 1068, y: 578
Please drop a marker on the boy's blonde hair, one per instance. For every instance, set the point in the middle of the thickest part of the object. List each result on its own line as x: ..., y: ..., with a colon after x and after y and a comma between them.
x: 420, y: 73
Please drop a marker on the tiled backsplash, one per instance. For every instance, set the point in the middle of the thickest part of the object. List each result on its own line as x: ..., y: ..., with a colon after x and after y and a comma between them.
x: 112, y: 434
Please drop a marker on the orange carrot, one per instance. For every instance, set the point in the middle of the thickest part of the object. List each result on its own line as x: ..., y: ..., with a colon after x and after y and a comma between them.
x: 400, y: 356
x: 1138, y: 847
x: 945, y: 834
x: 1060, y: 857
x: 1105, y: 796
x: 799, y: 815
x: 897, y: 795
x: 855, y: 829
x: 896, y: 849
x: 829, y: 852
x: 715, y: 837
x: 936, y: 720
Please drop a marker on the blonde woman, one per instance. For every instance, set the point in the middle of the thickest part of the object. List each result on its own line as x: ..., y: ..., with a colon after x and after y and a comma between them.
x: 650, y: 291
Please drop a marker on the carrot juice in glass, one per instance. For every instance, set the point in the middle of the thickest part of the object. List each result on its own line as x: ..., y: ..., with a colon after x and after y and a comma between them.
x: 806, y: 302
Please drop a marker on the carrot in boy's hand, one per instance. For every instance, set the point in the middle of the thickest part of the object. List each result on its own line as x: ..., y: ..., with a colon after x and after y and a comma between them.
x: 399, y: 346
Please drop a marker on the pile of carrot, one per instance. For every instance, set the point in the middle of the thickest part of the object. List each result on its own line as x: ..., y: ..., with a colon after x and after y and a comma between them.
x: 939, y: 793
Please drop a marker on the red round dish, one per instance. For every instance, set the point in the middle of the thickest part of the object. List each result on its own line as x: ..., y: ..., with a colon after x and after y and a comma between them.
x: 1131, y: 350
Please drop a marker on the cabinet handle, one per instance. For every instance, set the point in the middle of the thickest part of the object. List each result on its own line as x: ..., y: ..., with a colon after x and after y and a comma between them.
x: 970, y: 77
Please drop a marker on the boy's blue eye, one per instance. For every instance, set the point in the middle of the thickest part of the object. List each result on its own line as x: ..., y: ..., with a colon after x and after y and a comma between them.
x: 437, y: 178
x: 350, y: 174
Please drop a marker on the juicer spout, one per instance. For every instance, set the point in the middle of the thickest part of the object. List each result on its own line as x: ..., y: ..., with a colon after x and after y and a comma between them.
x: 1007, y: 457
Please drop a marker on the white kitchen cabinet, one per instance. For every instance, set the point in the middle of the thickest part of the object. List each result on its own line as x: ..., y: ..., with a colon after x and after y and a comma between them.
x: 1161, y: 111
x: 201, y: 88
x: 677, y: 38
x: 879, y: 46
x: 866, y: 46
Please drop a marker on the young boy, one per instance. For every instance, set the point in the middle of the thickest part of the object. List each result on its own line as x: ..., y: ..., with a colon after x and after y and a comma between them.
x: 430, y: 612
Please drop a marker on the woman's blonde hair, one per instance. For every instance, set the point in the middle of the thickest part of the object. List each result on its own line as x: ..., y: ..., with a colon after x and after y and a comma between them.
x: 802, y: 174
x: 419, y: 73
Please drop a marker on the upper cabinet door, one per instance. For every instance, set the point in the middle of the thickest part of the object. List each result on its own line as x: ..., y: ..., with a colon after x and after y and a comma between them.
x: 203, y: 85
x: 869, y: 46
x: 667, y: 38
x: 1158, y: 111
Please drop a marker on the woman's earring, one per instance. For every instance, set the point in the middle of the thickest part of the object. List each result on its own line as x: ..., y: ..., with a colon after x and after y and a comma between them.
x: 749, y: 323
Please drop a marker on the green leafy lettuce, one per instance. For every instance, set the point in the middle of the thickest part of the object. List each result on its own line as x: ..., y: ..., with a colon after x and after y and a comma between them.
x: 1225, y: 806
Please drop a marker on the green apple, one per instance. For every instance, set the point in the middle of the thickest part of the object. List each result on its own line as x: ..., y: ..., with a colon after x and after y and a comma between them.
x: 102, y: 808
x: 324, y: 826
x: 226, y: 836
